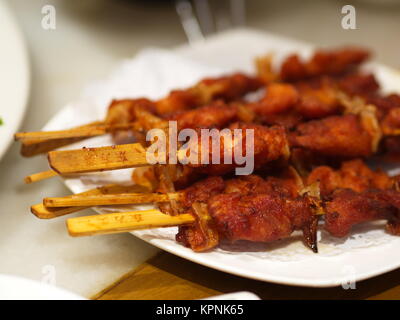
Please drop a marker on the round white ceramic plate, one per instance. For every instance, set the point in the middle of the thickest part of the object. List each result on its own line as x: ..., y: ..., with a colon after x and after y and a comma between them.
x: 14, y: 77
x: 367, y: 252
x: 16, y: 288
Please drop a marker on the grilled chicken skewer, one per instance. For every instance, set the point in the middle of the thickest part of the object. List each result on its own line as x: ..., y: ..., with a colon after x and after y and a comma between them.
x: 355, y: 191
x: 326, y: 137
x: 270, y: 144
x: 194, y: 200
x: 257, y: 217
x: 121, y: 113
x: 354, y: 175
x: 230, y: 199
x: 315, y: 102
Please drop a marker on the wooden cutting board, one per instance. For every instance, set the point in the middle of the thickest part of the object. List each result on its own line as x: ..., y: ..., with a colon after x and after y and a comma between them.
x: 167, y: 277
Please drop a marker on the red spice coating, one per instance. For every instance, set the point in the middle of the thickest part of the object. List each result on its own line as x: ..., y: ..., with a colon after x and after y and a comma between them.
x: 258, y: 217
x: 341, y: 136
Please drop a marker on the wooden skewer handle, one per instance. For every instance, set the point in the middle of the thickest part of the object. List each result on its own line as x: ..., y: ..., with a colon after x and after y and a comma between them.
x: 85, y: 131
x: 98, y: 159
x: 40, y: 176
x: 124, y: 222
x: 109, y: 199
x: 42, y: 212
x: 32, y: 147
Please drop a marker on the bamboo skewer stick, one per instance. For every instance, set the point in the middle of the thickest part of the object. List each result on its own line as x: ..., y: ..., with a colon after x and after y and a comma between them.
x: 30, y: 148
x: 40, y: 176
x: 84, y: 131
x: 51, y: 173
x: 124, y: 222
x: 42, y: 212
x: 98, y: 159
x: 85, y: 200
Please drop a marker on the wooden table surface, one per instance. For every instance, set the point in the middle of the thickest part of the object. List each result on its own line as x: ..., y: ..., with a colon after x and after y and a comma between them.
x: 167, y: 277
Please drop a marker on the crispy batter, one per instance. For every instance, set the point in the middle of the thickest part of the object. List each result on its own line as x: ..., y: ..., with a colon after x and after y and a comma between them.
x: 279, y: 98
x: 391, y: 122
x: 286, y: 186
x: 226, y: 88
x: 216, y: 115
x: 259, y: 217
x: 230, y: 87
x: 179, y: 100
x: 201, y: 191
x: 331, y: 62
x: 123, y: 111
x: 348, y: 208
x: 203, y: 235
x: 289, y: 105
x: 355, y: 175
x: 359, y: 84
x: 318, y: 101
x: 269, y: 144
x: 340, y: 136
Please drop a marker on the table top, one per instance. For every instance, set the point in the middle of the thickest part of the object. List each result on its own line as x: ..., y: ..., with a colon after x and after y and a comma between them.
x: 167, y: 277
x: 90, y: 39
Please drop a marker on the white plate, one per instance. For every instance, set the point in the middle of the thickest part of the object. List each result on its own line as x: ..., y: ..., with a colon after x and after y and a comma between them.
x: 17, y: 288
x: 14, y: 77
x: 368, y: 252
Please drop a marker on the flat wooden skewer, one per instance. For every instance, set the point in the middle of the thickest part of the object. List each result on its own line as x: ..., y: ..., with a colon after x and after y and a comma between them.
x: 31, y: 147
x: 91, y: 130
x: 51, y: 173
x: 86, y: 200
x: 42, y: 212
x: 124, y: 222
x: 98, y: 159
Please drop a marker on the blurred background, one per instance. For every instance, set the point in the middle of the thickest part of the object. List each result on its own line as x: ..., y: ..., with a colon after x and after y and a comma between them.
x: 91, y: 36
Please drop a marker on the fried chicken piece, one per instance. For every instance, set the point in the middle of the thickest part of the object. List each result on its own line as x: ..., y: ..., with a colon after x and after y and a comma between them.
x: 287, y: 120
x: 391, y: 148
x: 323, y: 62
x: 288, y: 105
x: 384, y: 103
x: 390, y: 123
x: 318, y: 102
x: 122, y: 111
x: 269, y: 144
x: 261, y: 217
x: 216, y: 115
x: 196, y: 196
x: 202, y: 190
x: 338, y: 136
x: 392, y: 197
x: 354, y: 175
x: 178, y: 100
x: 347, y: 208
x: 227, y: 88
x: 231, y: 87
x: 247, y: 184
x: 279, y: 98
x: 203, y: 235
x: 359, y: 84
x: 286, y: 184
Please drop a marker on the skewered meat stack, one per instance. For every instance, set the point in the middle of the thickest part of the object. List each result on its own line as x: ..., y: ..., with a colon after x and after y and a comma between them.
x: 323, y: 109
x: 252, y: 208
